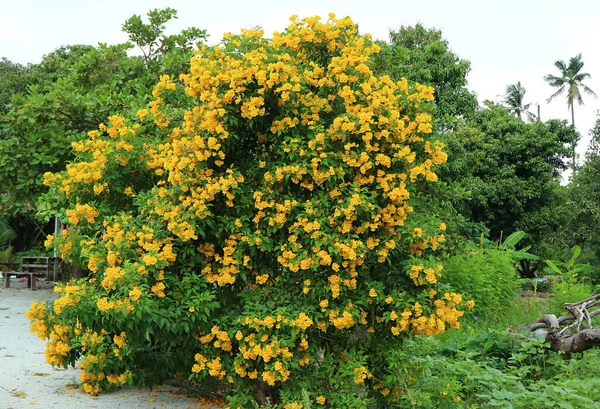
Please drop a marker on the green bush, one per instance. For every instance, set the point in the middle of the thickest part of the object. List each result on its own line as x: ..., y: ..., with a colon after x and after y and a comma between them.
x: 488, y: 277
x: 492, y: 368
x: 7, y: 234
x: 6, y: 256
x: 264, y: 222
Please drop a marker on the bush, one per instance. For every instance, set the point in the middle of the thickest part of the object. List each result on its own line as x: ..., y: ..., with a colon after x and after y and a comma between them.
x: 492, y: 368
x: 488, y: 277
x: 258, y: 224
x: 6, y: 257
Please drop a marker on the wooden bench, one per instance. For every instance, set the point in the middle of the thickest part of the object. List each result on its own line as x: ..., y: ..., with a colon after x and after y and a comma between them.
x: 32, y: 268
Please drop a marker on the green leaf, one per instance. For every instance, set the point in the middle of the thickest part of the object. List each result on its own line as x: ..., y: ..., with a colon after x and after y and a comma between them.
x: 553, y: 266
x: 576, y: 252
x: 512, y: 240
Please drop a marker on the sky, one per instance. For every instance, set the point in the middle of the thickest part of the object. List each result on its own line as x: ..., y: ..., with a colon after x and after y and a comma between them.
x: 505, y: 40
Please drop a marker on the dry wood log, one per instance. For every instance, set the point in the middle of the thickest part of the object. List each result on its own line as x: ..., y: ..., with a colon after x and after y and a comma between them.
x: 572, y: 332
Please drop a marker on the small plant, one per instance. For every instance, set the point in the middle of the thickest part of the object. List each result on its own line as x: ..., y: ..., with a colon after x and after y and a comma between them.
x: 570, y: 285
x: 488, y: 277
x: 7, y: 234
x: 568, y: 270
x: 6, y: 257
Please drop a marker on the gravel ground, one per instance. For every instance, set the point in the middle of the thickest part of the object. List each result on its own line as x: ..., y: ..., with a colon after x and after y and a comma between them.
x: 27, y: 381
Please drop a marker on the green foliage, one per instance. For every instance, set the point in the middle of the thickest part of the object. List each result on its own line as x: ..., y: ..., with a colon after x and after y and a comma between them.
x: 150, y: 39
x: 6, y: 256
x: 567, y: 292
x: 569, y: 270
x: 7, y: 234
x: 14, y: 79
x: 580, y: 212
x: 514, y: 101
x: 487, y: 276
x: 572, y: 283
x: 510, y: 169
x: 492, y: 368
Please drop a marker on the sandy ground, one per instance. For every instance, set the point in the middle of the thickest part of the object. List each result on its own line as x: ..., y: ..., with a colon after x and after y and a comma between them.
x: 27, y: 381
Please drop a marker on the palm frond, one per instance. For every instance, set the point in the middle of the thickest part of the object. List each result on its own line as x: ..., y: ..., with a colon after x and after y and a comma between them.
x: 560, y: 91
x: 575, y: 65
x: 531, y: 116
x: 588, y: 90
x: 554, y: 81
x: 570, y: 80
x: 582, y: 76
x: 560, y: 64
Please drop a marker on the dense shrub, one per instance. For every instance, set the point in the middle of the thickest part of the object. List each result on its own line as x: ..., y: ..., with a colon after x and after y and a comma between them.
x: 258, y: 224
x: 487, y: 276
x: 493, y: 368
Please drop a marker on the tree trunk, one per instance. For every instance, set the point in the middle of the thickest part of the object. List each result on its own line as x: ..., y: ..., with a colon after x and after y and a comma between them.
x: 574, y: 141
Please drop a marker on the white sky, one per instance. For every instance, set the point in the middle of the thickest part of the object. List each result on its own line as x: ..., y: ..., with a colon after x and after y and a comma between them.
x: 506, y: 41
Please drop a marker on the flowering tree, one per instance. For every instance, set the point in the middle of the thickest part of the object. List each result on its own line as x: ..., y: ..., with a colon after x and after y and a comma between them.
x: 258, y: 224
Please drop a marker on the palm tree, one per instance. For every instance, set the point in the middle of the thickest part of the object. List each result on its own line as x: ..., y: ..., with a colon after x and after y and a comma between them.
x: 514, y: 98
x: 570, y: 80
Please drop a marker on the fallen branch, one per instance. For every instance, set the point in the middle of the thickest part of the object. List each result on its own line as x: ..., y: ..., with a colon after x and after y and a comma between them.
x: 559, y: 332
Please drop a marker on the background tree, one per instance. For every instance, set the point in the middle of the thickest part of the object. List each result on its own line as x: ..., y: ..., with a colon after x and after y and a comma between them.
x: 511, y: 170
x: 14, y: 79
x: 514, y: 101
x: 580, y: 209
x: 570, y: 81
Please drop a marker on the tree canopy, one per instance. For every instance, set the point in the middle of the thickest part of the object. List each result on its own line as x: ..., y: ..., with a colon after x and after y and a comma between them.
x: 510, y: 169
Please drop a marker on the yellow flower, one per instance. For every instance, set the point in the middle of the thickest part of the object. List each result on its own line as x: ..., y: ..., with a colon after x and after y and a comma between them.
x: 303, y: 321
x: 135, y: 293
x: 158, y: 289
x: 261, y: 279
x: 49, y: 240
x: 120, y: 339
x: 372, y: 293
x: 142, y: 114
x: 149, y: 260
x: 320, y: 400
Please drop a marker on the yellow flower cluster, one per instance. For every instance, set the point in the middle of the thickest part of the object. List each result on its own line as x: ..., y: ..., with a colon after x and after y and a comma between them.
x: 84, y: 211
x: 58, y: 345
x: 302, y: 322
x: 360, y: 374
x: 36, y: 315
x: 424, y: 276
x: 341, y: 322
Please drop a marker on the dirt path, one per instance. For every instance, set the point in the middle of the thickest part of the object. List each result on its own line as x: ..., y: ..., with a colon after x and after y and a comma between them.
x: 27, y: 381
